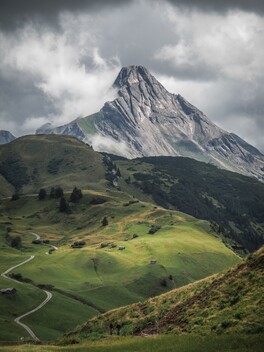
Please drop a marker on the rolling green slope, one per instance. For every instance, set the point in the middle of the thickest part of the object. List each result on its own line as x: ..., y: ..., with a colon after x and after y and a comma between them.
x: 141, y: 251
x: 232, y: 202
x: 99, y: 276
x: 32, y: 162
x: 224, y: 303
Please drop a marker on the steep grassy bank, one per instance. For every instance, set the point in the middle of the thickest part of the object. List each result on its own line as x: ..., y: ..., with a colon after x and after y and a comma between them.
x: 224, y: 303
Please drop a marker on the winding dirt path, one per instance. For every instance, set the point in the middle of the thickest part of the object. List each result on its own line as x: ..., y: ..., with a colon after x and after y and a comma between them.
x: 50, y: 245
x: 4, y: 274
x: 49, y: 294
x: 27, y: 328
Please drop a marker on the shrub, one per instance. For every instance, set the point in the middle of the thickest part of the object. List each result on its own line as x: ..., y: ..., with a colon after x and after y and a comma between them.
x: 19, y: 277
x: 154, y: 229
x: 16, y: 242
x: 104, y: 221
x: 45, y: 286
x: 42, y: 194
x: 226, y: 324
x: 78, y: 244
x: 234, y: 300
x: 15, y: 196
x: 36, y: 242
x: 103, y: 245
x: 238, y: 315
x: 163, y: 283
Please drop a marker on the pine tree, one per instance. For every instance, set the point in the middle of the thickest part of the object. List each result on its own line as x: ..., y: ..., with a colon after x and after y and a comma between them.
x: 52, y: 193
x: 64, y: 206
x: 42, y: 194
x: 58, y: 192
x: 76, y: 195
x: 104, y: 221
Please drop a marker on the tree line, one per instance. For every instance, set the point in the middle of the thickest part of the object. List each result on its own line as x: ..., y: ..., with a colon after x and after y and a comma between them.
x: 58, y: 193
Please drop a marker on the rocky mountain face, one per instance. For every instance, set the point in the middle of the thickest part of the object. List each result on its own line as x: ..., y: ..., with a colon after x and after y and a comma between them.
x: 146, y: 120
x: 6, y: 137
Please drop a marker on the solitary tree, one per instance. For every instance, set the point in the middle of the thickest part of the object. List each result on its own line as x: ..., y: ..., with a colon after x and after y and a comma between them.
x: 16, y: 242
x: 104, y: 221
x: 76, y: 195
x: 42, y: 194
x: 52, y: 193
x: 15, y: 196
x: 64, y: 206
x: 58, y: 192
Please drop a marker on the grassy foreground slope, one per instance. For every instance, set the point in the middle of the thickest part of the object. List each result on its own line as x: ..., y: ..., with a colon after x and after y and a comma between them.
x: 99, y: 276
x: 224, y: 303
x: 158, y: 343
x: 233, y: 201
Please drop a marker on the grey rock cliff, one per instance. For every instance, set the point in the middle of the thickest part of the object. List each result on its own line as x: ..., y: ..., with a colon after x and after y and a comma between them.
x: 6, y: 137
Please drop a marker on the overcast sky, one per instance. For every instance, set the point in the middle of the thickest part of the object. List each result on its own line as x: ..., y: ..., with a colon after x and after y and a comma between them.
x: 59, y: 58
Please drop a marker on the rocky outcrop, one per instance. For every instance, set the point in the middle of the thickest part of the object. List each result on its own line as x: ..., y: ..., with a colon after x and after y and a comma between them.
x: 147, y: 120
x: 6, y: 137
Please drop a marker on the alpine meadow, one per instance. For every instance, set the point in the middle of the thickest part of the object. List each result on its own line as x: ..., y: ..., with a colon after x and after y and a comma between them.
x: 130, y: 219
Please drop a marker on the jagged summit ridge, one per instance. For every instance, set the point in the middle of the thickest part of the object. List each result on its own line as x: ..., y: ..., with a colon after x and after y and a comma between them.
x: 130, y: 75
x: 147, y: 120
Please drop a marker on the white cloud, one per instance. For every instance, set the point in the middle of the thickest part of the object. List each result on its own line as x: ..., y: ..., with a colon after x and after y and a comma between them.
x: 103, y: 143
x: 32, y: 123
x: 218, y: 65
x: 230, y: 45
x: 6, y: 123
x: 55, y: 64
x: 215, y: 60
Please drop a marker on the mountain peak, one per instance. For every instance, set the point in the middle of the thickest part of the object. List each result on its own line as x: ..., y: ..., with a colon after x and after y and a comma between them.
x: 6, y: 137
x: 132, y: 74
x: 147, y: 120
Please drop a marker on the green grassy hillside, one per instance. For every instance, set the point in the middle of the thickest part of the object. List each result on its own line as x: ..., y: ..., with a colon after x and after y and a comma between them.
x: 32, y: 162
x: 99, y: 276
x: 224, y: 303
x: 232, y: 202
x: 133, y: 248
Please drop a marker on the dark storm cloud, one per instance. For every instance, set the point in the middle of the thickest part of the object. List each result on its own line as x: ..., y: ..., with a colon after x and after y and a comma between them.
x: 221, y: 5
x: 14, y: 13
x: 59, y: 58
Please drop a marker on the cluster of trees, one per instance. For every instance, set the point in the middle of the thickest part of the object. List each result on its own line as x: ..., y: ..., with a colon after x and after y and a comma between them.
x: 112, y: 171
x: 14, y: 172
x: 76, y: 195
x: 58, y: 193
